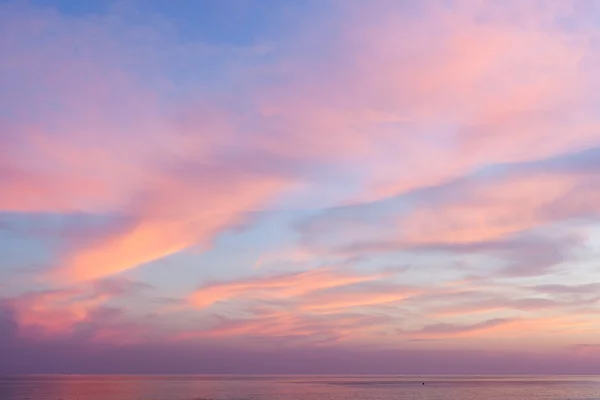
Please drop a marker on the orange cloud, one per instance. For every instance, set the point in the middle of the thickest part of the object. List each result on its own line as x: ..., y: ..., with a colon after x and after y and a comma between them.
x: 332, y: 302
x: 286, y: 286
x: 312, y: 306
x: 178, y: 217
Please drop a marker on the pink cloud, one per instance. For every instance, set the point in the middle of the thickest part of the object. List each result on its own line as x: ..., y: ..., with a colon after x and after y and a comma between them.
x: 61, y: 312
x: 491, y: 211
x: 403, y: 101
x: 479, y: 80
x: 420, y: 98
x: 111, y: 145
x: 501, y: 214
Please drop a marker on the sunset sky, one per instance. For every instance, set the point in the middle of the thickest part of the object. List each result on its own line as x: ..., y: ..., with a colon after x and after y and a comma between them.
x: 300, y: 186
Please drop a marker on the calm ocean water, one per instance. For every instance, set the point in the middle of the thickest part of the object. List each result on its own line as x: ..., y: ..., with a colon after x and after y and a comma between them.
x: 87, y: 387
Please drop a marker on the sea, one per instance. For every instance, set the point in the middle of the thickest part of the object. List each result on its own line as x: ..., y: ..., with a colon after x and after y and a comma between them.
x: 298, y: 387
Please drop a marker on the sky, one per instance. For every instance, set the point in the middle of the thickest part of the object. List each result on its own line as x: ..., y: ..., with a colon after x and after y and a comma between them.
x: 311, y: 186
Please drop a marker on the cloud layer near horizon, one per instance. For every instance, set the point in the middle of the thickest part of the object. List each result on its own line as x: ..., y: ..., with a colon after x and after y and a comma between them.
x: 354, y: 177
